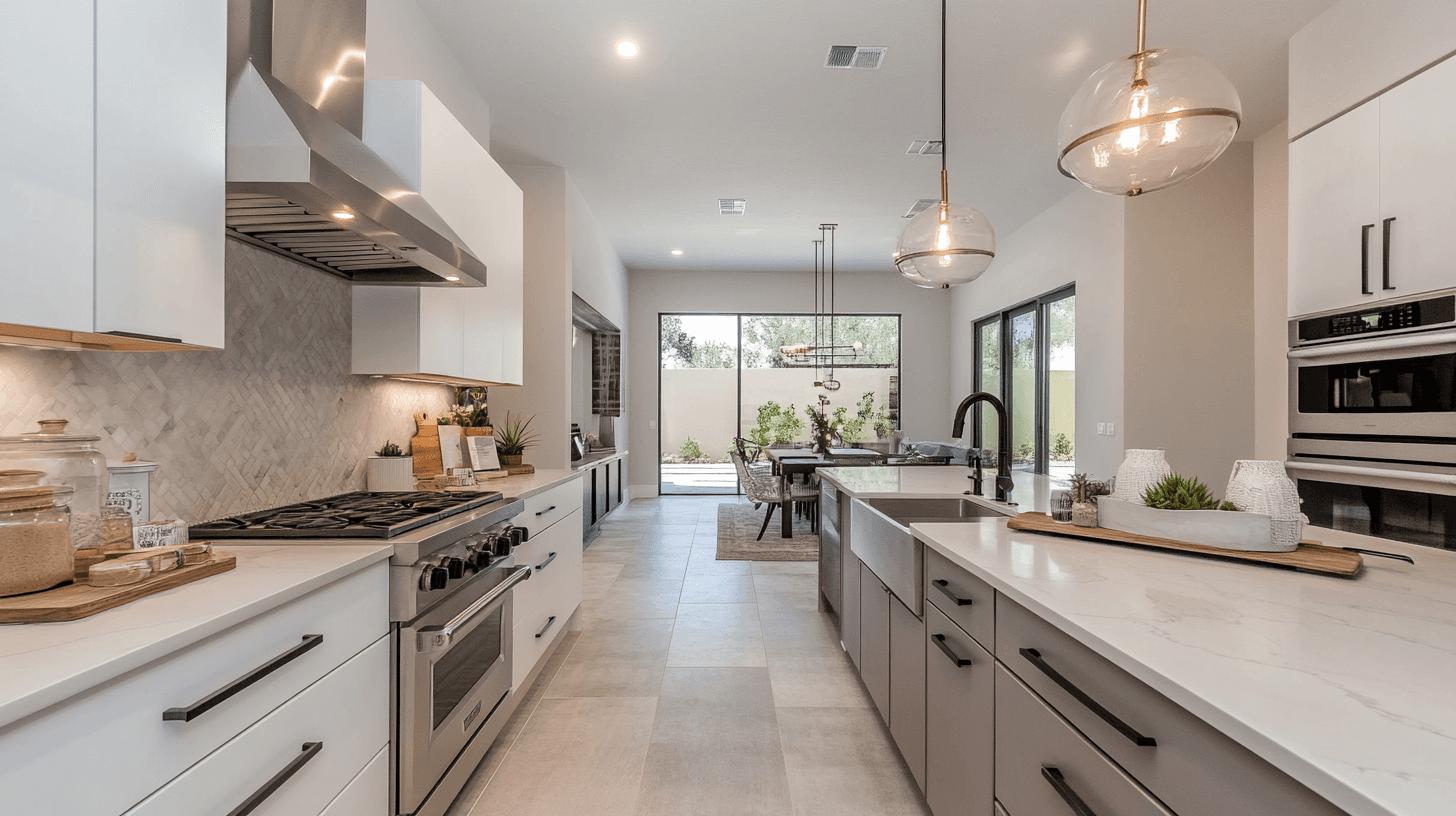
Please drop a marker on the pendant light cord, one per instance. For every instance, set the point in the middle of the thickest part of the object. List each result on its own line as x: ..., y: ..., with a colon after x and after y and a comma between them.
x: 1142, y: 24
x: 944, y: 175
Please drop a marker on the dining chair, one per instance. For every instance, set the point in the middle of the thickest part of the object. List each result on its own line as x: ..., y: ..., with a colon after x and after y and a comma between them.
x: 763, y: 488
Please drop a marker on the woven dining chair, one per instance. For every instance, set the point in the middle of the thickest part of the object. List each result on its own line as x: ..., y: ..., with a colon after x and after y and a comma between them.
x: 762, y: 487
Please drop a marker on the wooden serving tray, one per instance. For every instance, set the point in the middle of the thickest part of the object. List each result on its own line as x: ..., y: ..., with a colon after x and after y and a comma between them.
x: 76, y: 601
x: 1311, y: 555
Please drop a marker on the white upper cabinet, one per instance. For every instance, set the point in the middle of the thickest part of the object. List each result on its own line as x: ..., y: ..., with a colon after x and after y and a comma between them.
x: 1418, y: 181
x: 422, y: 141
x: 113, y: 160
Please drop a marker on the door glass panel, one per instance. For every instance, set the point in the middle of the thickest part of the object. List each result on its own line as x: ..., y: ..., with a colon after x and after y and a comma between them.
x: 1023, y: 390
x: 469, y: 659
x: 1061, y: 387
x: 988, y: 379
x: 699, y: 403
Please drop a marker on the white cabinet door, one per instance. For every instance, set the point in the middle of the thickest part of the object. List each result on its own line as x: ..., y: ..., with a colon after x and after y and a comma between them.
x: 1334, y: 206
x: 408, y: 330
x: 1418, y: 183
x: 47, y: 180
x: 161, y: 144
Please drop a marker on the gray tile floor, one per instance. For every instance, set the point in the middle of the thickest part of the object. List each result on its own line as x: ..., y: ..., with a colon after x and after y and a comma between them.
x: 696, y: 686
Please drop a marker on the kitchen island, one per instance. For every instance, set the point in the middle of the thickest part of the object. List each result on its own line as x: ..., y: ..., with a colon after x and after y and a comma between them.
x: 1342, y: 684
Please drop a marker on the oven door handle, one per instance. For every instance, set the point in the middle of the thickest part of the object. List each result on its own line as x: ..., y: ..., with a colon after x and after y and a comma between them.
x: 435, y: 638
x: 1400, y: 341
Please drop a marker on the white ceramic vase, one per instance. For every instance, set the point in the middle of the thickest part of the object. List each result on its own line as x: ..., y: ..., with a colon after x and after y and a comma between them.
x: 389, y: 474
x: 1261, y: 486
x: 1140, y: 470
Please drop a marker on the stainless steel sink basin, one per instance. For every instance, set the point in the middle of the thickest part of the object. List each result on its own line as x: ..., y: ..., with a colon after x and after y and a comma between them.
x: 881, y: 538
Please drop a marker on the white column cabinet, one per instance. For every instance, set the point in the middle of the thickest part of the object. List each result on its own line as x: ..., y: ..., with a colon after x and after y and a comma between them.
x: 113, y: 169
x: 1418, y: 180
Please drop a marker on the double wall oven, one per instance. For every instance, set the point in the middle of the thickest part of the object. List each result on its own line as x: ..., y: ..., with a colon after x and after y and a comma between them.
x: 1372, y: 418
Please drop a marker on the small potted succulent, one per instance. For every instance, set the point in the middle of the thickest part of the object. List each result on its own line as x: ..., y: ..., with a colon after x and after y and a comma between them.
x: 512, y: 439
x: 389, y: 470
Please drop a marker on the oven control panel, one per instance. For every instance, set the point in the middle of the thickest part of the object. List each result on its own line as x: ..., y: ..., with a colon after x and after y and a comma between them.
x: 1415, y: 314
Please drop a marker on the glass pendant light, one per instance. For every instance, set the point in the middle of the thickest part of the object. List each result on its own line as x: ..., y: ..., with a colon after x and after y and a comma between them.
x: 1147, y: 121
x: 948, y: 244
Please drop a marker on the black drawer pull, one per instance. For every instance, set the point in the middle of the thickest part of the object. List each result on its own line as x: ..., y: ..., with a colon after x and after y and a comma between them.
x: 547, y: 510
x: 550, y: 622
x: 206, y: 704
x: 944, y: 587
x: 1385, y: 255
x: 960, y: 662
x: 1059, y: 784
x: 1365, y: 259
x: 1034, y: 658
x: 310, y: 750
x: 547, y: 562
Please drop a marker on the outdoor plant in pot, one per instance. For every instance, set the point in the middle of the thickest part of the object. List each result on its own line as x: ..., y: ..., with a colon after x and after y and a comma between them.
x: 389, y: 470
x: 513, y: 438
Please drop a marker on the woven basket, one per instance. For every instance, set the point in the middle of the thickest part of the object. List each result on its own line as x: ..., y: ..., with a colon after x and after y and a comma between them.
x: 1140, y: 470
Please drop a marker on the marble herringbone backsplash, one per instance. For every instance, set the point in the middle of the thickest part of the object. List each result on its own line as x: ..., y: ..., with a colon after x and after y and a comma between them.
x: 274, y: 418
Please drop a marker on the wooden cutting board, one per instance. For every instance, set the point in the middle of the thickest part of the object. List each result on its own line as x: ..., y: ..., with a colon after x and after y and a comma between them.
x: 76, y: 601
x: 1311, y: 555
x: 425, y: 448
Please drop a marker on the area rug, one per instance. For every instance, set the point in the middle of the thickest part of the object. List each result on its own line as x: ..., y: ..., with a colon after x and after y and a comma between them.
x: 738, y: 527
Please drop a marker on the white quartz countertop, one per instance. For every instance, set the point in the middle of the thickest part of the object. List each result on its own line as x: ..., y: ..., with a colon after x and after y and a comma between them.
x: 591, y: 460
x: 42, y: 664
x: 524, y: 486
x: 1344, y: 684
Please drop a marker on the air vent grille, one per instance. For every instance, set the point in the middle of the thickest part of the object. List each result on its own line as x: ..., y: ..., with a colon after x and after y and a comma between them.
x: 318, y: 239
x: 855, y: 56
x: 925, y: 147
x: 920, y: 206
x: 732, y: 206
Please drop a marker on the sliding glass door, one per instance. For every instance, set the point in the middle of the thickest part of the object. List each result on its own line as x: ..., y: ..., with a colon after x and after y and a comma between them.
x: 1026, y: 355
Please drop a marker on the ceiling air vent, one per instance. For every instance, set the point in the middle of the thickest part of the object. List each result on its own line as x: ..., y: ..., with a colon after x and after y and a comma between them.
x: 920, y: 206
x: 855, y: 56
x: 925, y: 147
x: 732, y: 206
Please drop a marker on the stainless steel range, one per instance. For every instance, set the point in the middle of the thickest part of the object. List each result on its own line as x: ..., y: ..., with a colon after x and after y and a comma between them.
x: 451, y: 577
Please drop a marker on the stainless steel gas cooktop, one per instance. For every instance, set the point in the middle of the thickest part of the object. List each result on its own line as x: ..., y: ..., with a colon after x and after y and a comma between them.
x: 350, y: 515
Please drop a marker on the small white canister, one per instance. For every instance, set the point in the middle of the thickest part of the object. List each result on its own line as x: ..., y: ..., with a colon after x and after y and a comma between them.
x: 131, y: 489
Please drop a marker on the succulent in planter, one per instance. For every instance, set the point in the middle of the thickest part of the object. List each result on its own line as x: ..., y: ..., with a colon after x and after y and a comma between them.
x: 1176, y: 492
x: 514, y: 436
x: 389, y: 449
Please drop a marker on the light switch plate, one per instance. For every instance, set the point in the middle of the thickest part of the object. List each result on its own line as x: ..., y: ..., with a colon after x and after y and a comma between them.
x: 1101, y: 428
x: 1111, y: 431
x: 652, y: 423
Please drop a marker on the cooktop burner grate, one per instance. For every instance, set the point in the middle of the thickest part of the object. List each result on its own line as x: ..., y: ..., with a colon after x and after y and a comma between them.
x: 350, y: 515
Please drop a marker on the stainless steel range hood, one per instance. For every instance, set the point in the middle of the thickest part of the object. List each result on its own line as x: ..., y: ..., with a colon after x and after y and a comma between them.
x: 300, y: 180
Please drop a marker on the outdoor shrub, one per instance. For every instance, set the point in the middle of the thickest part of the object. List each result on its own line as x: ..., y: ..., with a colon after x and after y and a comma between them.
x: 1062, y: 448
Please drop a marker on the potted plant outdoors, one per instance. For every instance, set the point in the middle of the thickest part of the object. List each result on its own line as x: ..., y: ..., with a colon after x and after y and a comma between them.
x: 513, y: 438
x: 389, y: 470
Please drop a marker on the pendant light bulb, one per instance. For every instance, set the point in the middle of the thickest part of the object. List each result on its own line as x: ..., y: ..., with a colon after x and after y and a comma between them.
x: 1147, y: 121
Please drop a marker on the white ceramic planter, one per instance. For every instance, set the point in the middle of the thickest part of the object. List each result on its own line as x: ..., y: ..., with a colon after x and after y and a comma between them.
x: 389, y: 474
x: 1140, y: 470
x: 1226, y: 529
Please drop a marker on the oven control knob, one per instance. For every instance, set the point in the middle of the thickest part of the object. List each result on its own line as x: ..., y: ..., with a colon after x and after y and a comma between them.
x: 454, y: 567
x: 477, y: 561
x: 432, y: 577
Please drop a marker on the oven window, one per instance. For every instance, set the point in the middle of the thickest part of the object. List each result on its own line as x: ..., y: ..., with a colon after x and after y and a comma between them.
x: 469, y: 658
x: 1408, y: 385
x: 1415, y: 518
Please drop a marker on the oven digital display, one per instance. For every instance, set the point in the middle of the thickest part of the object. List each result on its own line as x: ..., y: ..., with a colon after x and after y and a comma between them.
x: 1371, y: 320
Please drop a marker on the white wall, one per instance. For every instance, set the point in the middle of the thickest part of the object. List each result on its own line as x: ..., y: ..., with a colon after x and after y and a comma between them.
x: 1077, y: 240
x: 401, y: 43
x: 924, y: 351
x: 1271, y: 293
x: 599, y: 277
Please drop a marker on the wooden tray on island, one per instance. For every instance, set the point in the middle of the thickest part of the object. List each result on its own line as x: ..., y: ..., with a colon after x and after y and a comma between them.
x: 1310, y: 555
x: 75, y: 601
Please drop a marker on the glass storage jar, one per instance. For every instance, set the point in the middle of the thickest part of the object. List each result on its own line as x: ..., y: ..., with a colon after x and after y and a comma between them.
x: 65, y: 459
x: 35, y: 538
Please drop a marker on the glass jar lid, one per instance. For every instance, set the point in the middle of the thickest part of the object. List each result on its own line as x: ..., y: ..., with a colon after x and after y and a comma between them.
x: 22, y: 490
x: 52, y: 436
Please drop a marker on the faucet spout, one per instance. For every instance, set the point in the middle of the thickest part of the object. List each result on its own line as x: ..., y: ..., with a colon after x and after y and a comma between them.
x: 1003, y: 438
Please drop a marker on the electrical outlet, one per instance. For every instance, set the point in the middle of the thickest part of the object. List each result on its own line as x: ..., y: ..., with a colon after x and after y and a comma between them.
x: 1111, y: 431
x: 1101, y: 428
x: 652, y: 423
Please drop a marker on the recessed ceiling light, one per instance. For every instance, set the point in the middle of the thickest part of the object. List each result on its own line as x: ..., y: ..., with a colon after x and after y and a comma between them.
x: 342, y: 215
x: 452, y: 278
x: 677, y: 252
x: 626, y: 49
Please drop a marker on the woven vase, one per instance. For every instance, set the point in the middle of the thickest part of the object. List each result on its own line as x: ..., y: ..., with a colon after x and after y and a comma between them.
x: 1261, y: 486
x: 1140, y: 470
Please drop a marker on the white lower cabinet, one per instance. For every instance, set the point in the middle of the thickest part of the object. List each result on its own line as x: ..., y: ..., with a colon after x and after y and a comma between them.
x: 542, y: 605
x: 320, y: 739
x: 368, y: 793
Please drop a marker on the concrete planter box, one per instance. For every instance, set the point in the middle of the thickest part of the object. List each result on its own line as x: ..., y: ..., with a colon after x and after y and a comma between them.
x: 1226, y: 529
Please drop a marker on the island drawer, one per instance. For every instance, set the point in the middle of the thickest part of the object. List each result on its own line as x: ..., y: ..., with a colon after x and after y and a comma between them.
x: 963, y: 597
x: 123, y: 720
x: 550, y: 506
x: 1043, y: 765
x: 327, y: 735
x: 1184, y: 761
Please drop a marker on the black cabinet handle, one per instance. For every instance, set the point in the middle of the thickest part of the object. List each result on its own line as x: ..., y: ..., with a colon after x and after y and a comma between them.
x: 547, y: 562
x: 959, y: 661
x: 944, y: 587
x: 1385, y: 254
x: 1365, y: 259
x: 310, y: 750
x: 547, y: 510
x: 1059, y: 784
x: 206, y: 704
x: 1034, y: 658
x: 550, y: 622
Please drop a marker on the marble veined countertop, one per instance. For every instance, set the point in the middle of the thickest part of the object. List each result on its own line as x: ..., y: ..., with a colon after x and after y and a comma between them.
x: 520, y: 487
x: 1343, y: 683
x: 42, y: 664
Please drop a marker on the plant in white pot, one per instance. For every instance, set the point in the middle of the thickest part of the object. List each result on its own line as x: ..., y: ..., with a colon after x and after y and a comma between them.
x: 1182, y: 509
x: 389, y: 470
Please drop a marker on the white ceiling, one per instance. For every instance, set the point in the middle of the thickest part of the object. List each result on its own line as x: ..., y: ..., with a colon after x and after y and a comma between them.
x: 731, y: 100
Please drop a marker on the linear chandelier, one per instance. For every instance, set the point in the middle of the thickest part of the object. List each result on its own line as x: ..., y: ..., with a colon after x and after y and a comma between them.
x: 823, y: 353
